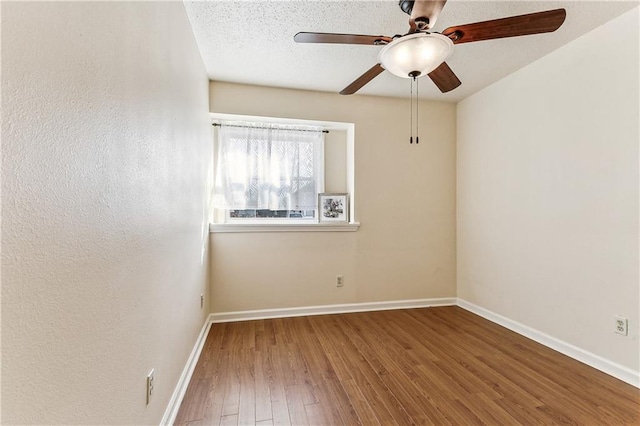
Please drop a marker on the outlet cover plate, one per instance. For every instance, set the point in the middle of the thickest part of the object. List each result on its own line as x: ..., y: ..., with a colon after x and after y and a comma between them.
x: 621, y: 325
x: 150, y: 385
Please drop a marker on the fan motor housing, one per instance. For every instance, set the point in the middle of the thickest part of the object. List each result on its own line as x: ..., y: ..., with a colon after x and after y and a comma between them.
x: 422, y: 22
x: 406, y: 6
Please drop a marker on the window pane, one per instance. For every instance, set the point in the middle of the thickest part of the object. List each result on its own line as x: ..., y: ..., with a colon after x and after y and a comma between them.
x: 266, y: 168
x: 275, y: 214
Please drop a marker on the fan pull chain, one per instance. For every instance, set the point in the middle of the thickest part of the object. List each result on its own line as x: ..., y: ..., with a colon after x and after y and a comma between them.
x: 417, y: 101
x: 411, y: 113
x: 417, y: 112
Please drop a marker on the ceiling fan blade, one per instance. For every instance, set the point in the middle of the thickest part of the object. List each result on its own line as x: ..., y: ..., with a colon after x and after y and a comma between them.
x: 532, y: 23
x: 444, y: 78
x: 341, y: 38
x: 362, y: 80
x: 424, y: 13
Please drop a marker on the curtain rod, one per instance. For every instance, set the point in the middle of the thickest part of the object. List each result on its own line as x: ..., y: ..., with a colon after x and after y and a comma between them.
x: 258, y: 127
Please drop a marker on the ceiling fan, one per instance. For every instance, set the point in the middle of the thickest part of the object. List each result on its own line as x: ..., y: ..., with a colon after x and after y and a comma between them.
x: 420, y: 52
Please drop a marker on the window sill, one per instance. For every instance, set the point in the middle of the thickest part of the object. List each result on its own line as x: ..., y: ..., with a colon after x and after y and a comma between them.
x: 281, y: 227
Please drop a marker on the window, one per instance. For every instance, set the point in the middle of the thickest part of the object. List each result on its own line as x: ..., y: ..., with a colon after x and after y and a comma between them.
x: 264, y: 213
x: 269, y: 172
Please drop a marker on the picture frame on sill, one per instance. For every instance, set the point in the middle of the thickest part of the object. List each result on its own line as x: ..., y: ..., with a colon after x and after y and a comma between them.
x: 333, y: 207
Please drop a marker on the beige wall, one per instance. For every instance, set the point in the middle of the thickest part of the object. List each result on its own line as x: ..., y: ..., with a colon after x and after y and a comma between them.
x: 105, y: 156
x: 335, y: 161
x: 405, y: 202
x: 548, y: 193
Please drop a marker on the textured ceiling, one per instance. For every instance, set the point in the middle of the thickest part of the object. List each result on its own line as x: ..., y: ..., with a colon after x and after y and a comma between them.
x: 251, y: 42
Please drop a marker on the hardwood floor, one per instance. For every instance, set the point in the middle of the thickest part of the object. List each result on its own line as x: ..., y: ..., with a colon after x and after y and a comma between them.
x: 418, y: 366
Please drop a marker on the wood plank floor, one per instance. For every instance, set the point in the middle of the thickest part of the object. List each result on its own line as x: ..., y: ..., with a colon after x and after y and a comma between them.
x: 417, y: 366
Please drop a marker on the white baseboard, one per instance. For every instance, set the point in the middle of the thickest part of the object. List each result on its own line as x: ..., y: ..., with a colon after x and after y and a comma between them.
x: 330, y: 309
x: 181, y: 388
x: 606, y: 366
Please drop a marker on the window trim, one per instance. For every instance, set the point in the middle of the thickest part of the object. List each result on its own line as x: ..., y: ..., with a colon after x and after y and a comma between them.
x: 220, y: 228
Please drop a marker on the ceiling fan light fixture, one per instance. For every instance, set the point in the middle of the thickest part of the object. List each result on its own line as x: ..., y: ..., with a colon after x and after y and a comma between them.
x: 415, y: 55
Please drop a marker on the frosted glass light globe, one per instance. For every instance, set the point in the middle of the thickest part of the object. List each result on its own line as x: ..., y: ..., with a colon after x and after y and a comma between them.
x: 416, y: 54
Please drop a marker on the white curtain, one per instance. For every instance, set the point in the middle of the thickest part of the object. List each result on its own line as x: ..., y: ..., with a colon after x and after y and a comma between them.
x: 266, y: 166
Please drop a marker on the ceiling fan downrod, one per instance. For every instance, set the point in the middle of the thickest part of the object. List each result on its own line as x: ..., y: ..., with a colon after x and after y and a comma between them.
x: 406, y: 6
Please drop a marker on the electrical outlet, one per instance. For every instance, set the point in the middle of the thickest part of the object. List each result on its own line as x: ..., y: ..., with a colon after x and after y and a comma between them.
x: 150, y: 385
x: 339, y: 281
x: 622, y: 325
x: 201, y: 301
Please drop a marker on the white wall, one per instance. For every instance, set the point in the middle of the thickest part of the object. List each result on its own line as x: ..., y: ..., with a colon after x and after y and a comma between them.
x: 105, y: 157
x: 547, y: 168
x: 405, y: 202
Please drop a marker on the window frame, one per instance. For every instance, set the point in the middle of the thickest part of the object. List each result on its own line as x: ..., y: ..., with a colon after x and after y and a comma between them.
x: 221, y: 223
x: 316, y: 180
